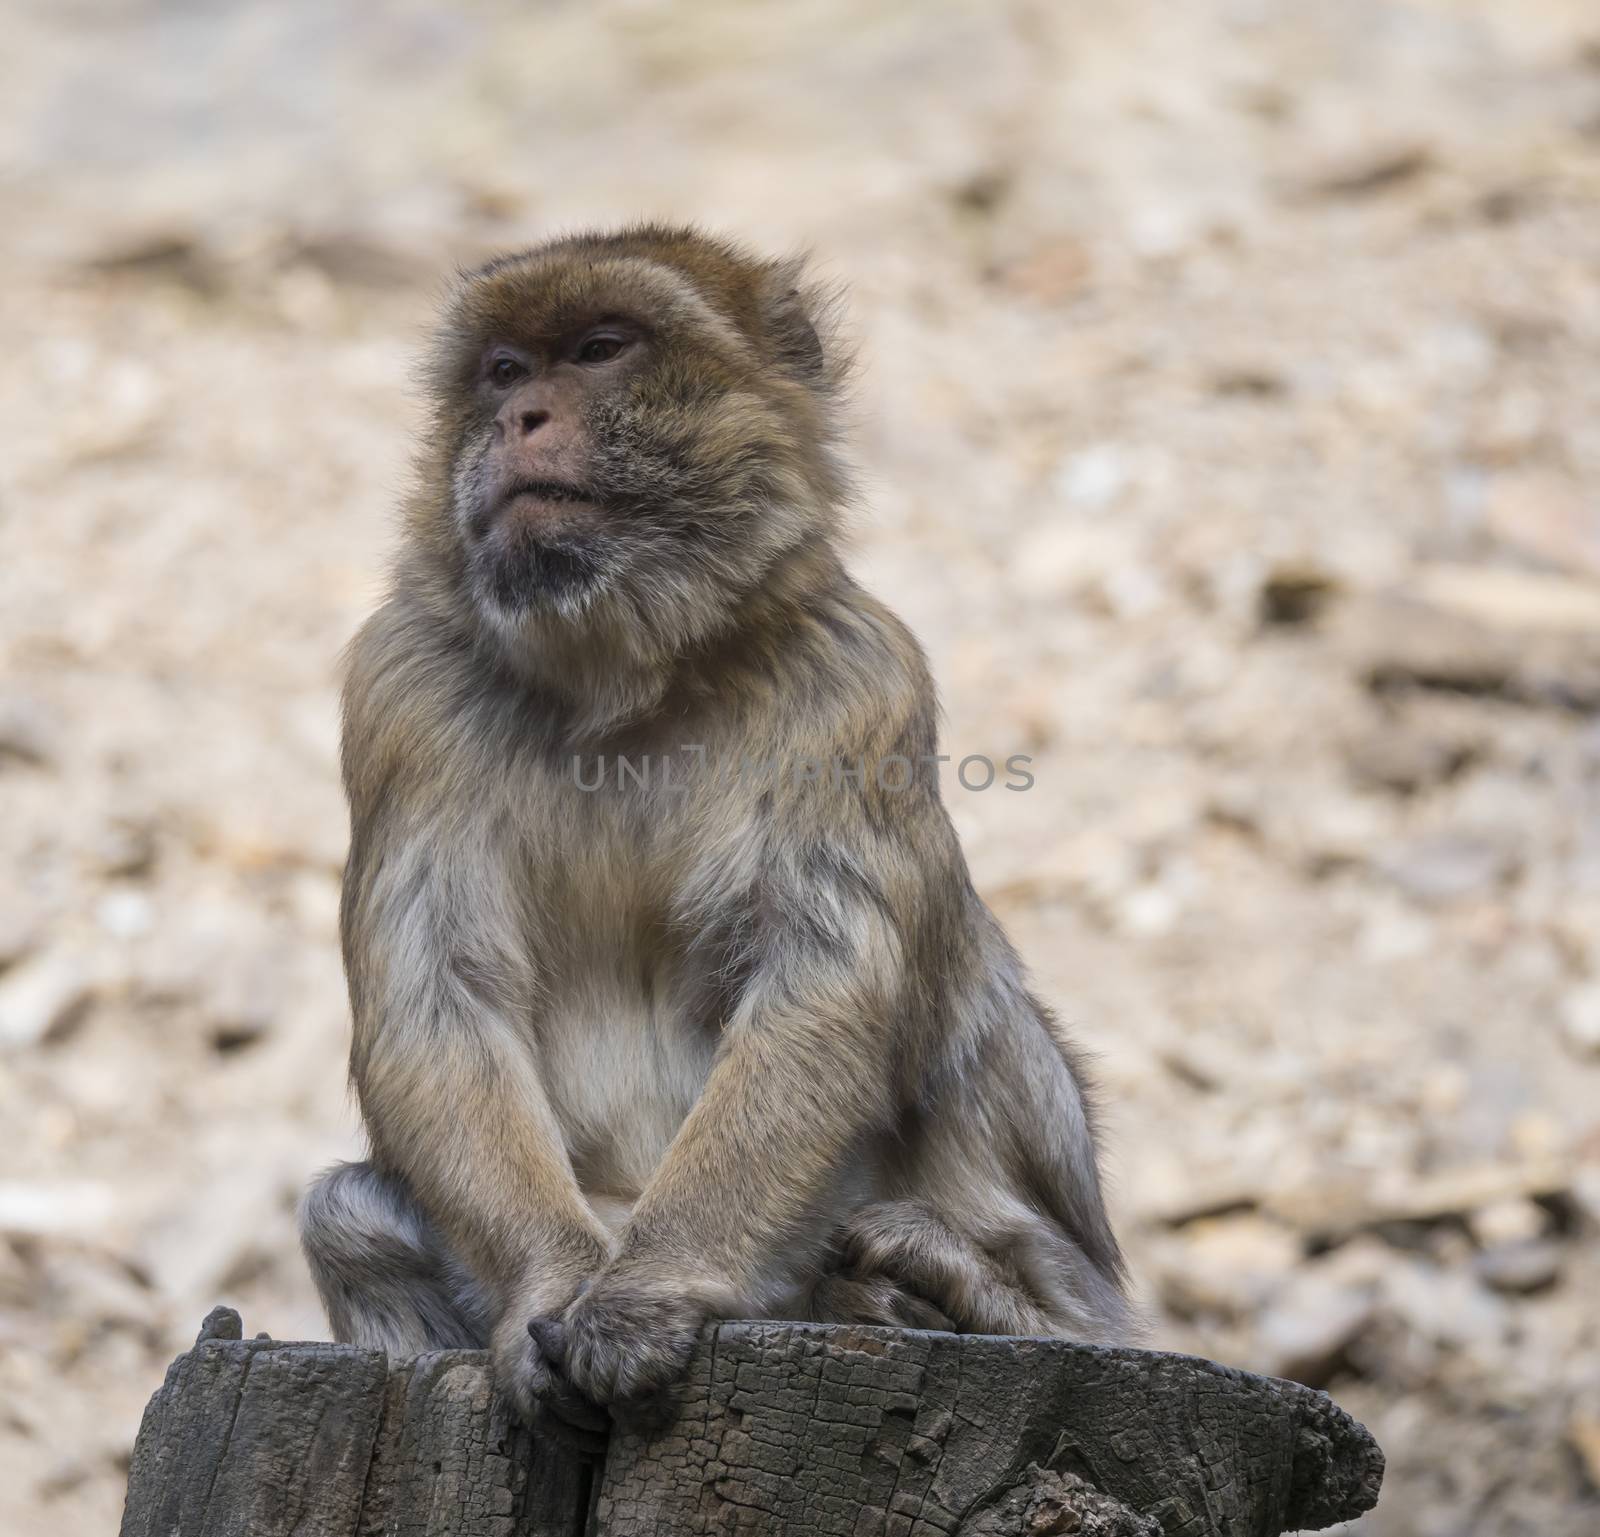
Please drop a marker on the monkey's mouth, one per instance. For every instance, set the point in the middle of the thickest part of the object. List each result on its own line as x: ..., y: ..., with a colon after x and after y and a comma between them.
x: 524, y: 505
x: 528, y: 555
x: 543, y: 491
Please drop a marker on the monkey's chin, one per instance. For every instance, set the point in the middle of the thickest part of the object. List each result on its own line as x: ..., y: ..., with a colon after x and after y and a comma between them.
x: 563, y: 577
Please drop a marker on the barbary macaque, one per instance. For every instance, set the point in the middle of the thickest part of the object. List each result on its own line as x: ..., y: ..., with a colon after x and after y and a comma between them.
x: 636, y: 1051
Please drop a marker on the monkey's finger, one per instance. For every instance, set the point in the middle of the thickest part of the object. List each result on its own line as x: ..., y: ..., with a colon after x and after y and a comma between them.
x: 591, y: 1443
x: 525, y: 1383
x: 573, y: 1420
x: 569, y: 1418
x: 550, y: 1335
x: 550, y: 1387
x: 918, y: 1313
x: 564, y: 1401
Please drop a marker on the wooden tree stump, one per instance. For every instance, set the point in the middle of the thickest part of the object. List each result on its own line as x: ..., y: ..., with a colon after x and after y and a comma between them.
x: 793, y: 1430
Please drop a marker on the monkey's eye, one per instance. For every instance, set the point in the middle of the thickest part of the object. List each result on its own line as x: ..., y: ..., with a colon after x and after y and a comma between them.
x: 600, y: 348
x: 505, y: 369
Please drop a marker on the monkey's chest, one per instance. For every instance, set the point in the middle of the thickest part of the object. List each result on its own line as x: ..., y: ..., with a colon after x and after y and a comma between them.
x: 628, y: 1014
x: 625, y: 1061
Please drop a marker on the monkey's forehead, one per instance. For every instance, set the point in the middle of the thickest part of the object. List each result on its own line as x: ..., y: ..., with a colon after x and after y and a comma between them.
x: 654, y: 274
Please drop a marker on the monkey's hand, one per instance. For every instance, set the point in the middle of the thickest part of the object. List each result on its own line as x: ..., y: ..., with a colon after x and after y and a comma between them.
x: 627, y: 1337
x: 531, y: 1376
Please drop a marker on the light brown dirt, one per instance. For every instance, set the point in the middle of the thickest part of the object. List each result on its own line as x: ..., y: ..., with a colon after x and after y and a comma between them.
x: 1229, y: 429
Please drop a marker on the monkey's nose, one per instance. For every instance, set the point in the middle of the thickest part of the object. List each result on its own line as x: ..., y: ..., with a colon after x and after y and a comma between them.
x: 516, y: 421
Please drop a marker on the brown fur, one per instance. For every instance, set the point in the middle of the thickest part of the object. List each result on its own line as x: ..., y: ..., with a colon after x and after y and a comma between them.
x: 634, y: 1056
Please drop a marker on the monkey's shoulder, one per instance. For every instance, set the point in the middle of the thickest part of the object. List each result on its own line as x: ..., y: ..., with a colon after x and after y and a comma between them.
x: 861, y: 683
x: 421, y: 705
x: 865, y: 629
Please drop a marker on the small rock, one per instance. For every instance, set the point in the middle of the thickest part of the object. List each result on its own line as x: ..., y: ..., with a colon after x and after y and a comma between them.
x: 1536, y: 1136
x: 1151, y: 909
x: 1226, y: 1267
x: 1249, y: 381
x: 25, y: 739
x: 42, y: 999
x: 1584, y: 1195
x: 1310, y: 1327
x: 167, y: 255
x: 1520, y: 1268
x: 1196, y: 1065
x: 1406, y: 762
x: 1517, y: 419
x: 1067, y: 556
x: 238, y: 1033
x: 16, y: 1280
x: 236, y: 1234
x: 1450, y: 867
x: 1194, y: 1196
x: 1296, y: 595
x: 1094, y: 478
x: 1546, y: 515
x: 18, y: 939
x: 1514, y: 1220
x: 63, y: 1476
x: 1337, y: 1207
x: 1580, y: 1019
x: 39, y: 1208
x: 351, y: 259
x: 1370, y: 171
x: 1393, y: 930
x: 1055, y: 273
x: 129, y: 416
x: 1444, y: 1089
x: 93, y: 1284
x: 1443, y: 1307
x: 1429, y: 639
x: 125, y: 913
x: 1506, y: 599
x: 1583, y: 1435
x: 125, y: 849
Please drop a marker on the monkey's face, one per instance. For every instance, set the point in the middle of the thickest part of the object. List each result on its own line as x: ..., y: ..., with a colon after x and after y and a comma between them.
x: 635, y: 427
x: 529, y: 493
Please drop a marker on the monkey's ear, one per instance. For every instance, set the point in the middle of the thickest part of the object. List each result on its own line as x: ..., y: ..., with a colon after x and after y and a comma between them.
x: 791, y: 326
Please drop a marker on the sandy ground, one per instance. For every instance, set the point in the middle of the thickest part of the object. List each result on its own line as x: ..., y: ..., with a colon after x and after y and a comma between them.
x: 1229, y: 429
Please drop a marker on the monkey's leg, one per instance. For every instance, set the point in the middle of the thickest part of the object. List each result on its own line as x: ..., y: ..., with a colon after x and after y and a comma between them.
x: 387, y: 1278
x: 907, y: 1245
x: 836, y: 1298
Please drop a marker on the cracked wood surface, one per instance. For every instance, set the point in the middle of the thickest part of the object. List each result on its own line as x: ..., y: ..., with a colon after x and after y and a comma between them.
x: 780, y: 1429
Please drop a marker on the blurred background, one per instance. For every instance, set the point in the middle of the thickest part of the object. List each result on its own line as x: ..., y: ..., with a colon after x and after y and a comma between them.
x: 1229, y: 430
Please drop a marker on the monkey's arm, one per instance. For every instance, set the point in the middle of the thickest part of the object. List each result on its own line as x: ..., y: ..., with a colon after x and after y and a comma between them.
x: 449, y: 1083
x: 805, y: 1070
